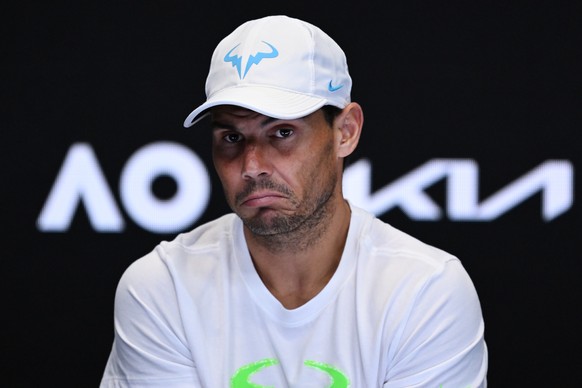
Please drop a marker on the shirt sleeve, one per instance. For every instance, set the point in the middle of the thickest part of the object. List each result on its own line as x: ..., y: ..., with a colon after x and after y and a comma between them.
x: 441, y: 343
x: 149, y: 348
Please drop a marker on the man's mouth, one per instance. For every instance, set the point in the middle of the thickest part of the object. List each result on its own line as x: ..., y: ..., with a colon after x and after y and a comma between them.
x: 262, y: 199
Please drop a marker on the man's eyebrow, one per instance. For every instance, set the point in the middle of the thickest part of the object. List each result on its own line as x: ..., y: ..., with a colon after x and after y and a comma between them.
x: 217, y: 124
x: 268, y: 121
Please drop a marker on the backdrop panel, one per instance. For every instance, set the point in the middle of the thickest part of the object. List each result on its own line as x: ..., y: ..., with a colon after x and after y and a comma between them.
x: 470, y: 143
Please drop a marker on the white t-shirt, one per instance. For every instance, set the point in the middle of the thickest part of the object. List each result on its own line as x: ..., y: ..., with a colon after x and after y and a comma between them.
x: 396, y: 313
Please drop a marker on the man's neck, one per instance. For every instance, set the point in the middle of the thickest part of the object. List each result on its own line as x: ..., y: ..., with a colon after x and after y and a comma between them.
x: 297, y: 266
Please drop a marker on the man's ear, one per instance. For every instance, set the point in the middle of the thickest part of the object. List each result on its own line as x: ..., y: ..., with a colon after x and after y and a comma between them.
x: 349, y: 123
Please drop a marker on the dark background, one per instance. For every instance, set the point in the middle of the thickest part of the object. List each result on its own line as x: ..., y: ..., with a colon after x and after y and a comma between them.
x: 494, y: 82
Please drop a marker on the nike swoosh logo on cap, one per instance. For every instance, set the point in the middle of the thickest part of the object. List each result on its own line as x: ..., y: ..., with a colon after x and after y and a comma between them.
x: 332, y: 88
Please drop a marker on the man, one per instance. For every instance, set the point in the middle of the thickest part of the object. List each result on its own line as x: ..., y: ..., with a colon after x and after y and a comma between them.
x: 297, y: 288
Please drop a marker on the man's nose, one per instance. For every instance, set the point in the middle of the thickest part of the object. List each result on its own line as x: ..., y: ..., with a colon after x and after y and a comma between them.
x: 255, y: 162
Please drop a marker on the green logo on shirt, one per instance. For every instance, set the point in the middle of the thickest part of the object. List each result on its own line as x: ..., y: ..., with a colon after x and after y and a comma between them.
x: 241, y: 378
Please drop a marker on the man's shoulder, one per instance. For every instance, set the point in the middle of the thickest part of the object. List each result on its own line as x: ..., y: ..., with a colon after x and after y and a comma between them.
x: 207, y: 235
x: 204, y: 247
x: 386, y: 242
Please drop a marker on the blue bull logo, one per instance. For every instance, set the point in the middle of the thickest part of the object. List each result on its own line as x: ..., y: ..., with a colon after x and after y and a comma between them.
x: 236, y: 60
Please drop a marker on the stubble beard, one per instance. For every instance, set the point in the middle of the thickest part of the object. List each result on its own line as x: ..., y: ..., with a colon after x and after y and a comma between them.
x: 294, y: 231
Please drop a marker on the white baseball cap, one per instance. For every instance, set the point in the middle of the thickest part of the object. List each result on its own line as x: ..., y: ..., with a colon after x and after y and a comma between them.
x: 278, y: 66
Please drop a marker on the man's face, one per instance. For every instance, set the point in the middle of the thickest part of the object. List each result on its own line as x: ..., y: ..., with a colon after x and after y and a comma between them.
x: 277, y: 175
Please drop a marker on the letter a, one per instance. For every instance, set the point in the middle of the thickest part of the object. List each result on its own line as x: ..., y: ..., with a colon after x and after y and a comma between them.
x: 80, y: 179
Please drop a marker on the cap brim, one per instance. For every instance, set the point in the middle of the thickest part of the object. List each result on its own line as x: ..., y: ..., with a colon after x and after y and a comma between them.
x: 272, y: 102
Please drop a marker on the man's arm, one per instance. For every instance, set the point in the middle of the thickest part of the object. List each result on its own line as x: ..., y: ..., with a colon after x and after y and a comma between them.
x: 149, y: 347
x: 442, y: 343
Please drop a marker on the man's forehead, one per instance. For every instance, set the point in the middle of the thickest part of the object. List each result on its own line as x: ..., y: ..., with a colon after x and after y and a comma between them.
x: 233, y: 112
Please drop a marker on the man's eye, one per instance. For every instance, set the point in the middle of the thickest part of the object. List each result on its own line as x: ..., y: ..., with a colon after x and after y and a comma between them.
x: 283, y: 132
x: 232, y: 138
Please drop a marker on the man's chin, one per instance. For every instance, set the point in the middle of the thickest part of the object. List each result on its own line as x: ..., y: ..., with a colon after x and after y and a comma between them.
x: 264, y: 224
x: 261, y: 227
